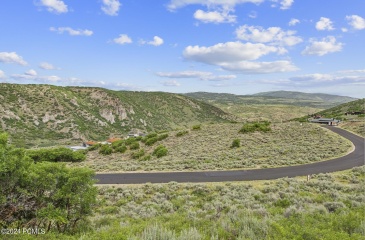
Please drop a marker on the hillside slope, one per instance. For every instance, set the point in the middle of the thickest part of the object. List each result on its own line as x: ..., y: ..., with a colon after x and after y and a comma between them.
x: 41, y: 115
x: 314, y: 100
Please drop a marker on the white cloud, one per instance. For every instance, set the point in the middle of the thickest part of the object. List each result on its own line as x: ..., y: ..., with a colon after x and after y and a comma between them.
x: 31, y: 72
x: 43, y: 79
x: 248, y: 67
x: 122, y: 39
x: 46, y: 66
x: 293, y: 22
x: 11, y: 57
x: 171, y: 83
x: 270, y: 35
x: 175, y: 4
x: 353, y: 71
x: 214, y: 16
x: 111, y: 7
x: 228, y: 52
x: 56, y: 6
x: 319, y: 78
x: 324, y: 24
x: 206, y: 76
x: 356, y: 22
x: 344, y: 30
x: 237, y: 56
x: 72, y: 32
x: 2, y: 75
x: 323, y: 47
x: 252, y: 14
x: 286, y: 4
x: 157, y: 41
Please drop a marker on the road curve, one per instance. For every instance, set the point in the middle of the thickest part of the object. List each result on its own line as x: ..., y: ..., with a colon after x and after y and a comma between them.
x: 354, y: 159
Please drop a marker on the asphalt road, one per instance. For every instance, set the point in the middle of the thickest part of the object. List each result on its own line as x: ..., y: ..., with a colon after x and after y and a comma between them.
x: 354, y: 159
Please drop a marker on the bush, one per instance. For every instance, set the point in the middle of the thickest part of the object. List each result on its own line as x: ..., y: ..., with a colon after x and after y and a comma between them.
x: 118, y: 143
x: 181, y: 133
x: 151, y: 141
x: 255, y: 126
x: 196, y: 127
x: 162, y: 137
x: 105, y: 149
x: 134, y: 145
x: 121, y: 149
x: 94, y: 147
x: 138, y: 154
x: 130, y: 140
x: 60, y: 154
x: 160, y: 151
x: 236, y: 143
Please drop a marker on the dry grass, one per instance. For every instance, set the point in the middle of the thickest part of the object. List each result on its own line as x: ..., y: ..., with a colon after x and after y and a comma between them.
x: 357, y: 127
x: 209, y: 149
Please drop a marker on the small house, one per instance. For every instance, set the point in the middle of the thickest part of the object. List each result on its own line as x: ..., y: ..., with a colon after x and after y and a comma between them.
x: 328, y: 121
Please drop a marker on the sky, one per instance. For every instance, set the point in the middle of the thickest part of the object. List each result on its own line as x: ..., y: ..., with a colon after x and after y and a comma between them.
x: 179, y: 46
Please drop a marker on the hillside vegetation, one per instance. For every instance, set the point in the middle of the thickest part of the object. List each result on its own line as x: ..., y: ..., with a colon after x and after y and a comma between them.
x: 42, y: 115
x: 314, y: 100
x: 209, y: 148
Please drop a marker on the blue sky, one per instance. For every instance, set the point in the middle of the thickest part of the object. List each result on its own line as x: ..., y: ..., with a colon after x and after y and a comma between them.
x: 231, y: 46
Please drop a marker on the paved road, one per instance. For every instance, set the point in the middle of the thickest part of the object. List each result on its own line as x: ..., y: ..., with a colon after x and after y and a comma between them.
x: 355, y: 158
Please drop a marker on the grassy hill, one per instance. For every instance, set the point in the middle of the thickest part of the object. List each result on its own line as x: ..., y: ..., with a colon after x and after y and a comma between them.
x: 41, y: 115
x: 314, y: 100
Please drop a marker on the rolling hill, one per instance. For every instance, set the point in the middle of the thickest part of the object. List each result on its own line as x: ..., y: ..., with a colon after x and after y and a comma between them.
x: 41, y: 115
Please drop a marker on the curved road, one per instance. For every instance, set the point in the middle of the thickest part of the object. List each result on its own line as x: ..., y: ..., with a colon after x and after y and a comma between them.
x: 354, y: 159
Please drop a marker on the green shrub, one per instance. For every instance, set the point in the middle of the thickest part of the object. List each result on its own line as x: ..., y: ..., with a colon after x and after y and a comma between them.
x: 196, y: 127
x: 130, y: 140
x: 94, y: 147
x: 105, y: 149
x: 236, y: 143
x: 138, y: 154
x: 160, y: 151
x: 182, y: 133
x: 263, y: 126
x: 134, y: 146
x: 151, y: 141
x: 118, y: 143
x: 60, y: 154
x: 162, y: 137
x: 146, y: 158
x: 121, y: 149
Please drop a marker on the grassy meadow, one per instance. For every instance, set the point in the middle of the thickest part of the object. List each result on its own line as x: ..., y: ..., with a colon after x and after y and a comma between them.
x: 209, y: 148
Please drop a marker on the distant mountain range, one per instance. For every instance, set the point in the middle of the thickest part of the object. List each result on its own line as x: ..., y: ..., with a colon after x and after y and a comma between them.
x: 40, y: 115
x: 317, y: 100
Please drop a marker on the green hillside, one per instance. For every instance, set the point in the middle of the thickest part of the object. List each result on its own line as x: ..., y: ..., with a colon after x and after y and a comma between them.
x: 41, y: 115
x: 340, y: 110
x: 315, y: 100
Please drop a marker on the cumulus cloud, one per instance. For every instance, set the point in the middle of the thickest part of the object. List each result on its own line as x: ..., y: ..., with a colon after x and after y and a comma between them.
x: 42, y: 79
x: 171, y: 83
x: 122, y: 39
x: 111, y: 7
x: 228, y: 52
x: 214, y: 16
x: 323, y: 47
x: 324, y: 24
x: 356, y: 22
x: 56, y: 6
x: 206, y: 76
x: 237, y: 57
x: 157, y: 41
x: 12, y: 57
x: 2, y: 75
x: 293, y: 22
x: 286, y: 4
x: 273, y: 35
x: 72, y: 32
x: 46, y: 66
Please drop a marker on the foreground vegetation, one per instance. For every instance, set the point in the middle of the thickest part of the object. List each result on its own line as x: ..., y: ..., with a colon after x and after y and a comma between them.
x: 329, y: 206
x: 210, y: 149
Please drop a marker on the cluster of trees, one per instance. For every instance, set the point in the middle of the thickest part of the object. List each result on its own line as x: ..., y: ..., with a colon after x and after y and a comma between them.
x: 60, y: 154
x: 41, y: 193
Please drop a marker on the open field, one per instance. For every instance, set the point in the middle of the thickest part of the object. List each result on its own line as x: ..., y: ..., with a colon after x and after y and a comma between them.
x: 357, y: 127
x: 209, y: 149
x: 329, y: 206
x: 273, y: 112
